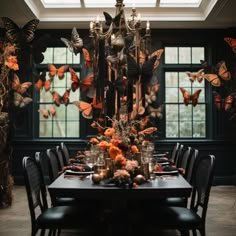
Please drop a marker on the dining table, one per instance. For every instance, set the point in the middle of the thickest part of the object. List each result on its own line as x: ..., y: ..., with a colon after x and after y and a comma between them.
x: 116, y: 199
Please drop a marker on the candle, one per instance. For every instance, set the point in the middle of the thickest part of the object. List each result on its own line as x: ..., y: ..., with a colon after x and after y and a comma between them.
x: 91, y: 25
x: 97, y: 19
x: 139, y: 16
x: 148, y: 25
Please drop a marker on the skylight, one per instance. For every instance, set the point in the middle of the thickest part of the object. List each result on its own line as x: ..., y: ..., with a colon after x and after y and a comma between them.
x: 127, y: 3
x: 61, y: 3
x: 180, y: 3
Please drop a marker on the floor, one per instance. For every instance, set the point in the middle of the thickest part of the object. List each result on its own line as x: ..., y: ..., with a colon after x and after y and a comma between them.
x: 221, y: 216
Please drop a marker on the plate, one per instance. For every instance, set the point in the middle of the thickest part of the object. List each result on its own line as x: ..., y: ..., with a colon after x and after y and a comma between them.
x: 72, y: 172
x: 163, y: 163
x: 172, y: 172
x: 159, y: 154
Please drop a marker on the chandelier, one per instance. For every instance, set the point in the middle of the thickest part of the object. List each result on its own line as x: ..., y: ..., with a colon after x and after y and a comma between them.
x: 121, y: 60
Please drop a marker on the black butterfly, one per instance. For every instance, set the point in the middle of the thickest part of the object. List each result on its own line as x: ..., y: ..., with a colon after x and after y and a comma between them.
x: 39, y: 47
x: 14, y: 33
x: 75, y: 44
x: 109, y: 18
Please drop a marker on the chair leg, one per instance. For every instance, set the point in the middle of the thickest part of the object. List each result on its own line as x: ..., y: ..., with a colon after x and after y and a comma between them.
x: 194, y: 232
x: 42, y: 233
x: 184, y: 232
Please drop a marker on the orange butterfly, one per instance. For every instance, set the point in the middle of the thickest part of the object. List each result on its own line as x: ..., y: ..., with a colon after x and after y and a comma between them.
x: 193, y: 76
x: 231, y: 42
x: 86, y: 57
x: 187, y: 97
x: 58, y: 99
x: 42, y: 82
x: 60, y: 72
x: 87, y: 108
x: 213, y: 79
x: 20, y: 101
x: 18, y: 87
x: 76, y: 83
x: 157, y: 53
x: 47, y: 112
x: 223, y: 71
x: 224, y: 103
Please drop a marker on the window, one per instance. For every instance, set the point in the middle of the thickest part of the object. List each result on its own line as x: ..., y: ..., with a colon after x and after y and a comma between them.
x: 66, y: 121
x: 184, y: 121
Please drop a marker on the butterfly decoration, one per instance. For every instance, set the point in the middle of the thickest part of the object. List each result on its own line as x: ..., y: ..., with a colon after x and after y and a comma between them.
x: 58, y: 99
x: 85, y: 84
x: 75, y: 44
x: 87, y: 57
x: 109, y: 20
x: 150, y: 98
x: 158, y: 54
x: 39, y: 46
x: 213, y: 79
x: 42, y: 82
x: 231, y: 42
x: 226, y: 103
x: 190, y: 97
x: 87, y: 108
x: 19, y: 87
x: 205, y: 66
x: 60, y: 72
x: 15, y: 34
x: 20, y: 101
x: 223, y: 71
x: 48, y: 112
x: 195, y: 76
x: 156, y: 112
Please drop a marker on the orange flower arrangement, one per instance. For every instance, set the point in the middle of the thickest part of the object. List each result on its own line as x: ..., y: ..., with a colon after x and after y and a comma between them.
x: 114, y: 151
x: 109, y: 132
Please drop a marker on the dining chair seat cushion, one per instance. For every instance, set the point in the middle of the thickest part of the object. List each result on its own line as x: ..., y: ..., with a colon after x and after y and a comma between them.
x: 66, y: 217
x: 169, y: 218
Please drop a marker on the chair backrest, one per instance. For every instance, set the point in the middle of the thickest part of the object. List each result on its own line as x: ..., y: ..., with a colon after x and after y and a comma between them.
x: 66, y: 154
x: 174, y: 152
x: 183, y: 160
x: 203, y: 171
x: 179, y: 155
x: 60, y: 157
x: 53, y: 165
x: 35, y: 187
x: 189, y: 168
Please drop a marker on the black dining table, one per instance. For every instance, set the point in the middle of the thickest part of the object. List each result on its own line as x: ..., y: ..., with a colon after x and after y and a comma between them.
x: 82, y: 187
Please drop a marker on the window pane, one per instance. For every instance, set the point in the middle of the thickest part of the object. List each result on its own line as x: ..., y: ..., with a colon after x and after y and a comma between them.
x: 73, y: 112
x: 185, y: 113
x: 199, y: 113
x: 172, y: 113
x: 171, y: 79
x: 172, y: 130
x: 184, y: 80
x: 73, y: 129
x: 185, y: 129
x: 59, y: 56
x: 171, y: 55
x: 197, y: 54
x: 171, y: 95
x: 199, y: 129
x: 184, y: 55
x: 45, y: 128
x: 59, y: 129
x: 48, y: 56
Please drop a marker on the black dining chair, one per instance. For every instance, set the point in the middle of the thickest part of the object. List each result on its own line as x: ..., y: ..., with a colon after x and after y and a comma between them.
x: 66, y: 154
x: 183, y: 164
x: 174, y: 152
x: 182, y: 218
x: 60, y: 158
x: 56, y: 218
x: 178, y: 156
x: 54, y: 170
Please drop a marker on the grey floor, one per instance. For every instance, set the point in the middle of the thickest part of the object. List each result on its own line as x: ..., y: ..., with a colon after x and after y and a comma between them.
x: 221, y: 217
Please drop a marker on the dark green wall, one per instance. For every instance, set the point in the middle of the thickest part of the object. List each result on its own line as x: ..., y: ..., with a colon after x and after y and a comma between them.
x: 222, y: 138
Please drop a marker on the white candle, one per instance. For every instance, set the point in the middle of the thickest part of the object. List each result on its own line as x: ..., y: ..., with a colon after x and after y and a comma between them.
x: 148, y: 25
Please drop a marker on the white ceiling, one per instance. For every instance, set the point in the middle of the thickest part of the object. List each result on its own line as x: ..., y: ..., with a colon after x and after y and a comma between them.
x: 210, y: 14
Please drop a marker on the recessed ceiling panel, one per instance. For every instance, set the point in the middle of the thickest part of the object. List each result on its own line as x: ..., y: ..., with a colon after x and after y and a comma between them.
x: 127, y: 3
x: 180, y: 3
x: 61, y: 3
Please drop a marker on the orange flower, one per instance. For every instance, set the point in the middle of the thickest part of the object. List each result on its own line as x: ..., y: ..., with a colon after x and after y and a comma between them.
x: 115, y: 141
x: 120, y: 160
x: 11, y: 62
x: 114, y: 151
x: 93, y: 141
x: 109, y: 132
x: 103, y: 145
x: 134, y: 149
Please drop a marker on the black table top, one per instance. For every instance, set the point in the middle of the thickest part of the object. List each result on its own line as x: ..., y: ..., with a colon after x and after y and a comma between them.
x: 161, y: 187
